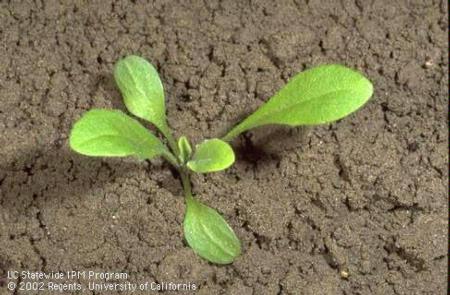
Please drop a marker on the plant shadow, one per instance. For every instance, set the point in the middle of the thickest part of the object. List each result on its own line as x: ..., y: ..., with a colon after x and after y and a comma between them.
x: 107, y: 86
x: 266, y: 144
x: 54, y: 173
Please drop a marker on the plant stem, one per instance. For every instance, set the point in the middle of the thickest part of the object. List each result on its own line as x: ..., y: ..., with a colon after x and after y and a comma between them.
x: 172, y: 143
x: 176, y: 162
x: 186, y: 183
x: 171, y: 159
x: 235, y: 131
x: 165, y: 130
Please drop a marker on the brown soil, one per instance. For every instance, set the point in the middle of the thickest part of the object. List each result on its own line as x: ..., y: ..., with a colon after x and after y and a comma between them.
x: 355, y: 207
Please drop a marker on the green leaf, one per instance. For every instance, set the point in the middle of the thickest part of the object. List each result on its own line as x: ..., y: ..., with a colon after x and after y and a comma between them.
x: 141, y: 89
x: 185, y: 149
x: 208, y: 234
x: 319, y: 95
x: 111, y: 133
x: 211, y: 155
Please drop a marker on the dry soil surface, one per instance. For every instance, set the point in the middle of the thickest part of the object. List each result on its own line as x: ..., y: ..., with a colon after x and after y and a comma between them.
x: 354, y: 207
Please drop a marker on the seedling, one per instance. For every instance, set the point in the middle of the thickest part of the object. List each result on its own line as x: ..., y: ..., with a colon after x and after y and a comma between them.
x: 316, y: 96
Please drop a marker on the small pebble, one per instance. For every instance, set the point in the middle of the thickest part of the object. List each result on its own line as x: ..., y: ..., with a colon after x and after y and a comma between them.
x: 344, y: 274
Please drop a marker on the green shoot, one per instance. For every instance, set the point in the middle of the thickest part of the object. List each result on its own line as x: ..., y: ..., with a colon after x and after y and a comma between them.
x: 320, y: 95
x: 108, y: 133
x: 185, y: 149
x: 211, y: 155
x: 209, y: 234
x: 143, y: 93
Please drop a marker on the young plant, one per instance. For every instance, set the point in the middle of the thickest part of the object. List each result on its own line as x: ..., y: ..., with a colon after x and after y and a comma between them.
x: 316, y: 96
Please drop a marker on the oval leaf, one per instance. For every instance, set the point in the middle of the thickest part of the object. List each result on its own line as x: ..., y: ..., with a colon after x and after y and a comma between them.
x: 109, y: 133
x: 211, y: 155
x: 141, y: 89
x: 319, y: 95
x: 185, y: 149
x: 208, y: 234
